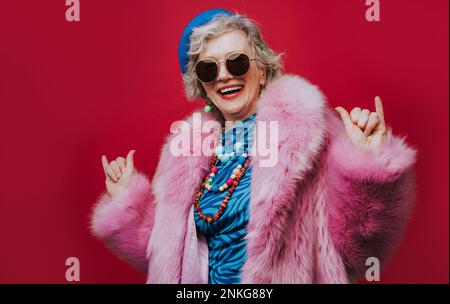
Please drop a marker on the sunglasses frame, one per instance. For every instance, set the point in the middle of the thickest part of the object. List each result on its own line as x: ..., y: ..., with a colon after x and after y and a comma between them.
x: 218, y: 63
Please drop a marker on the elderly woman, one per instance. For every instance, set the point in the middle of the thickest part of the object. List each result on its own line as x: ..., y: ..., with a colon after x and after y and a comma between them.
x: 339, y: 192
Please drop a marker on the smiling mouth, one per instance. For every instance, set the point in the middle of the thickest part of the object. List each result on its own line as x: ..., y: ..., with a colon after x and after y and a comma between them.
x: 231, y: 91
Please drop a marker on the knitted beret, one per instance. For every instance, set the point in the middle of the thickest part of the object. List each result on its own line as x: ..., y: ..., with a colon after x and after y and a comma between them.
x: 199, y: 20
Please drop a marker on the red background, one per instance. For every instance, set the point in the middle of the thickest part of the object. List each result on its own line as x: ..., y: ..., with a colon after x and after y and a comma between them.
x: 111, y: 82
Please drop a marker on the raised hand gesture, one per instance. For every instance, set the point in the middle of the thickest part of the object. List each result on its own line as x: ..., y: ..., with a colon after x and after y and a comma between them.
x: 118, y: 173
x: 365, y: 129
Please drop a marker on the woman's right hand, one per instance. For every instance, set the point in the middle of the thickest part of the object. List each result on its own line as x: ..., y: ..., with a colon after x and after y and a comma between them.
x: 118, y: 173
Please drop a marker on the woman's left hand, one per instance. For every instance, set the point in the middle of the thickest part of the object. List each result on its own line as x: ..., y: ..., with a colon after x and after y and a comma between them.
x: 365, y: 129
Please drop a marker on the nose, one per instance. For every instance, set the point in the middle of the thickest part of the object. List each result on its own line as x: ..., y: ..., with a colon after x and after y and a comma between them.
x: 224, y: 75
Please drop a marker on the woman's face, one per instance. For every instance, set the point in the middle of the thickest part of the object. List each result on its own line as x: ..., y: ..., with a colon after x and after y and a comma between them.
x: 240, y: 104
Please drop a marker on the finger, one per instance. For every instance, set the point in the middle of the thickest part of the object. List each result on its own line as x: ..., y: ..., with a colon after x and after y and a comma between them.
x: 354, y: 114
x: 363, y: 119
x: 345, y: 117
x: 122, y: 163
x: 380, y: 112
x: 371, y: 124
x: 115, y: 168
x: 130, y: 160
x: 108, y: 172
x: 105, y: 163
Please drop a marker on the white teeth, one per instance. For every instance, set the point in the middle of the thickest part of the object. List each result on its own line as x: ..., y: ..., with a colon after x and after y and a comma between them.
x: 230, y: 89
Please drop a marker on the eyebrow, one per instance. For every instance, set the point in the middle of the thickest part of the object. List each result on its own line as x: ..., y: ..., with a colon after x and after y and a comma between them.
x: 226, y: 55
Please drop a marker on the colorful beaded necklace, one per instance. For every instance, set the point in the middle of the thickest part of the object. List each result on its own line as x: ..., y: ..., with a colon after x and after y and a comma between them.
x: 231, y: 183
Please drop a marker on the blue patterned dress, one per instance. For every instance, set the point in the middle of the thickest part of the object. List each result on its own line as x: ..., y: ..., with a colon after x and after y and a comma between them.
x: 225, y: 237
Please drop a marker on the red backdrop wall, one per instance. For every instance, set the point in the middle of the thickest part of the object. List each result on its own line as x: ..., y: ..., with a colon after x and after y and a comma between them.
x: 111, y: 82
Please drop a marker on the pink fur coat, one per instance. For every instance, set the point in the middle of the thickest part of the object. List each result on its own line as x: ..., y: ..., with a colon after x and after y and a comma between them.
x: 315, y: 217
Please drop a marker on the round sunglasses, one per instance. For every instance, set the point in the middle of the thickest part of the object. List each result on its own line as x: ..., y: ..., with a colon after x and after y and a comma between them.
x: 237, y: 65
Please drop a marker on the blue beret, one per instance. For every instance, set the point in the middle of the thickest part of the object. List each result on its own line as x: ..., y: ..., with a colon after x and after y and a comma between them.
x: 199, y: 20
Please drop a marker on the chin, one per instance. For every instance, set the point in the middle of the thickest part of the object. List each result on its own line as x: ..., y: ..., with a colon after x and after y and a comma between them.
x: 230, y: 110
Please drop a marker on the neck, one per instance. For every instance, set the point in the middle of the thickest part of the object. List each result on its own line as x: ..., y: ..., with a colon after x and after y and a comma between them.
x: 231, y: 120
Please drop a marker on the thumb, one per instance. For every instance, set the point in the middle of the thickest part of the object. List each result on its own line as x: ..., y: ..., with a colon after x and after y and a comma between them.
x: 345, y: 116
x: 130, y: 160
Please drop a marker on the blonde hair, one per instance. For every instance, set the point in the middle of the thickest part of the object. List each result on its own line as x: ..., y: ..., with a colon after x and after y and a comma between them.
x: 220, y: 24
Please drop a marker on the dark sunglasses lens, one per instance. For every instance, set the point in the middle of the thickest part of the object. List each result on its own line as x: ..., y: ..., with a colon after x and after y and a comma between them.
x: 238, y: 64
x: 206, y: 70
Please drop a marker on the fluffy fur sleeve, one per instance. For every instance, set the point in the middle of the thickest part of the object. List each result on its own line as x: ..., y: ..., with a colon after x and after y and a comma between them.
x: 125, y: 222
x: 369, y: 195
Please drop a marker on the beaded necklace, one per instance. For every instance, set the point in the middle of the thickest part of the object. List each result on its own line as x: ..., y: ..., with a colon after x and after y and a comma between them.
x: 231, y: 183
